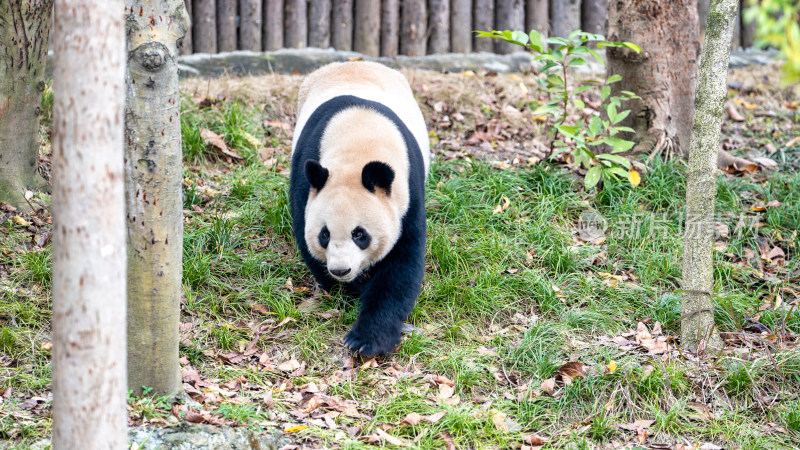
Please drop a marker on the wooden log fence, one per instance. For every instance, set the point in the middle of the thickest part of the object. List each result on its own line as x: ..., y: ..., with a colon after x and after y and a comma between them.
x: 393, y: 27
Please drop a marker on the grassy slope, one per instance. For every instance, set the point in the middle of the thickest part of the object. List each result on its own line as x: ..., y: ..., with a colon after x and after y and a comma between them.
x: 508, y: 298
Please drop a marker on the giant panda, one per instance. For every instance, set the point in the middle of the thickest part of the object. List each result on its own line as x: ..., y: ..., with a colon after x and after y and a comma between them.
x: 360, y: 158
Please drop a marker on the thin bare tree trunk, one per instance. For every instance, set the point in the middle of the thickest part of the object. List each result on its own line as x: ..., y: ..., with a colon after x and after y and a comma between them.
x: 460, y: 26
x: 565, y: 17
x: 250, y: 17
x: 537, y: 17
x: 319, y: 23
x: 748, y: 29
x: 226, y: 25
x: 186, y: 47
x: 273, y: 25
x: 153, y: 193
x: 483, y: 20
x: 439, y: 26
x: 89, y: 385
x: 413, y: 18
x: 367, y: 38
x: 204, y: 30
x: 296, y: 29
x: 24, y: 31
x: 698, y: 331
x: 702, y: 14
x: 593, y: 16
x: 390, y: 27
x: 342, y: 25
x: 510, y: 15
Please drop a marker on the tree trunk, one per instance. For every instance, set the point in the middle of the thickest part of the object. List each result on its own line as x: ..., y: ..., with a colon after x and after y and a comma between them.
x: 367, y: 39
x: 296, y: 31
x: 186, y: 46
x: 413, y: 18
x: 537, y: 17
x: 702, y: 17
x: 483, y: 18
x: 204, y: 31
x: 697, y: 320
x: 460, y: 26
x: 319, y: 23
x: 439, y: 26
x: 390, y: 27
x: 24, y: 31
x: 565, y: 17
x: 342, y: 29
x: 663, y: 74
x: 593, y: 16
x: 250, y: 16
x: 226, y: 25
x: 153, y: 193
x: 89, y: 387
x: 273, y: 25
x: 510, y: 16
x: 748, y: 29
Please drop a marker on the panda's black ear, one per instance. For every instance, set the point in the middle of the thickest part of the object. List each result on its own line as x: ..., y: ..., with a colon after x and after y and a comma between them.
x: 377, y: 174
x: 316, y: 174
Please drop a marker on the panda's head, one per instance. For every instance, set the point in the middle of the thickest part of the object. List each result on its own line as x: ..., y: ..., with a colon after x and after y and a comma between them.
x: 351, y: 221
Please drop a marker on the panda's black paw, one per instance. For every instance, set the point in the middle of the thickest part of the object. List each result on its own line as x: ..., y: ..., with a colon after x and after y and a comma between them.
x: 372, y: 342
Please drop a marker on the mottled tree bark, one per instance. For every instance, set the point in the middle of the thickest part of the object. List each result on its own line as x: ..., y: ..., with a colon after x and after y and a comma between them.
x: 390, y: 27
x: 663, y: 74
x: 89, y: 386
x: 413, y: 20
x: 226, y: 25
x: 438, y: 26
x: 24, y: 31
x: 510, y: 16
x: 342, y: 25
x: 367, y: 37
x: 565, y: 17
x: 250, y: 25
x: 296, y: 29
x: 273, y: 25
x: 698, y: 331
x: 537, y: 17
x: 483, y: 20
x: 153, y: 193
x: 593, y: 16
x: 204, y: 31
x: 461, y: 26
x: 319, y: 23
x: 187, y: 47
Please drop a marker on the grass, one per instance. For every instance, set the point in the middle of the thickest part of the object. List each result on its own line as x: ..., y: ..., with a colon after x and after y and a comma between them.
x: 507, y: 300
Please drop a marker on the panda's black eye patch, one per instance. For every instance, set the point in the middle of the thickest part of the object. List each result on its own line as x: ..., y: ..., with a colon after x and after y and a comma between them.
x: 361, y: 237
x: 324, y: 237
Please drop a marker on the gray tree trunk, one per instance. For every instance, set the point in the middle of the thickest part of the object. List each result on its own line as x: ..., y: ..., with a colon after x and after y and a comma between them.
x: 698, y: 331
x: 439, y: 26
x: 319, y: 23
x: 273, y: 25
x: 226, y: 25
x: 153, y: 194
x: 89, y: 386
x: 413, y: 20
x: 296, y: 30
x: 537, y: 17
x: 250, y: 18
x: 204, y: 30
x: 390, y: 27
x: 748, y: 29
x: 367, y: 37
x: 510, y: 15
x: 342, y: 25
x: 594, y: 14
x: 565, y: 17
x: 702, y: 14
x: 24, y: 31
x: 186, y: 47
x: 483, y: 20
x: 460, y: 26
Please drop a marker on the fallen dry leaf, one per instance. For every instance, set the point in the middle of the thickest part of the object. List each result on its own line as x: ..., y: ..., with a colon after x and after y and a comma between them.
x: 433, y: 418
x: 411, y: 419
x: 209, y: 137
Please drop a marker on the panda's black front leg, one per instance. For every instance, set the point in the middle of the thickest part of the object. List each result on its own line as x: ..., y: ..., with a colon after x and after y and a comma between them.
x: 386, y: 301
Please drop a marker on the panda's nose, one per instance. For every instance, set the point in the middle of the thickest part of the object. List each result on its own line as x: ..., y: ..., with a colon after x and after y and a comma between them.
x: 339, y: 272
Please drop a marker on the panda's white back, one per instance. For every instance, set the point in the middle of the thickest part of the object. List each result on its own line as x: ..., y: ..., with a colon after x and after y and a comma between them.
x: 367, y: 80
